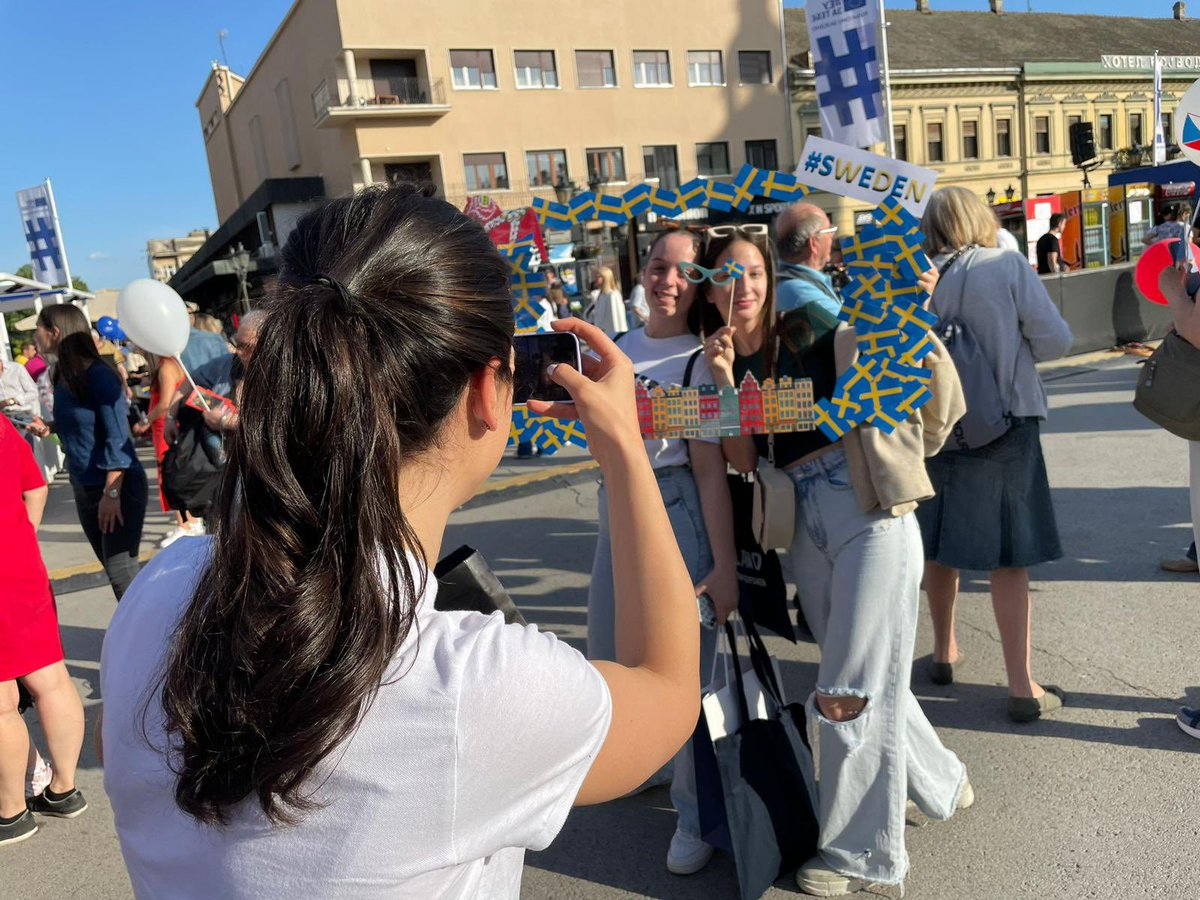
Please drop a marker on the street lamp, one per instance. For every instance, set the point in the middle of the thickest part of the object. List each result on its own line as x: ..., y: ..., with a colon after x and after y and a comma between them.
x: 1010, y: 192
x: 563, y: 190
x: 239, y: 256
x: 991, y: 196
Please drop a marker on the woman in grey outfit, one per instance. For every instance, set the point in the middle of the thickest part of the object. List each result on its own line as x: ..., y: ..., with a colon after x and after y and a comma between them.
x: 993, y: 510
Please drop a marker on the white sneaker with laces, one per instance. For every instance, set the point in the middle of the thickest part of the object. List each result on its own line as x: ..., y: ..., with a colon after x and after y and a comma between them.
x: 687, y: 854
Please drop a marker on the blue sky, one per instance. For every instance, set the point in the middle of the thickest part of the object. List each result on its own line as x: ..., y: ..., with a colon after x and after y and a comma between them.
x: 100, y: 97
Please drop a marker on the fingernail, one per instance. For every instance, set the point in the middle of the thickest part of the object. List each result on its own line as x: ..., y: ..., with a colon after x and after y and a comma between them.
x: 550, y: 369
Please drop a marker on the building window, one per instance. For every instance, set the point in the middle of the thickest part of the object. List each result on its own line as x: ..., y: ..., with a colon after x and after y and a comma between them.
x: 595, y: 69
x: 900, y: 139
x: 472, y: 69
x: 1168, y: 134
x: 536, y: 69
x: 761, y: 154
x: 485, y: 171
x: 1041, y: 134
x: 651, y: 68
x: 705, y: 68
x: 712, y: 159
x: 1073, y: 121
x: 259, y: 147
x: 970, y: 139
x: 605, y: 164
x: 662, y: 163
x: 754, y: 67
x: 546, y: 167
x: 1004, y: 137
x: 1136, y: 135
x: 934, y: 148
x: 1106, y: 131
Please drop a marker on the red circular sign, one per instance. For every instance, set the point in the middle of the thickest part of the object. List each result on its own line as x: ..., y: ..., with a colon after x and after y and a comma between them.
x: 1150, y: 268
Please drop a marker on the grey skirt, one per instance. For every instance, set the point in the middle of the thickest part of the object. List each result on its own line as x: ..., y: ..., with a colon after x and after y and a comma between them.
x: 992, y: 507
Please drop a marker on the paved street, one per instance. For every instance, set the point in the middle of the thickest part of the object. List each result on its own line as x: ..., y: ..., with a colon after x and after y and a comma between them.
x: 1097, y: 803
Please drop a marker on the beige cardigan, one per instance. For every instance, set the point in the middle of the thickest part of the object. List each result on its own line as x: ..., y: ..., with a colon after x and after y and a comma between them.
x: 888, y: 470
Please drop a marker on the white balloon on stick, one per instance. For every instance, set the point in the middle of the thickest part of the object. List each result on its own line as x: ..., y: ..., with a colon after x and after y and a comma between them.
x: 154, y: 317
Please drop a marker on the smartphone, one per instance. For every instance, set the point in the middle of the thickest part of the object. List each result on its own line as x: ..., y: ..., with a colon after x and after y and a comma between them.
x: 535, y: 354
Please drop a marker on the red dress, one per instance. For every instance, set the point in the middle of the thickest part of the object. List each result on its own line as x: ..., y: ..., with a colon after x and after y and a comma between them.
x: 158, y: 437
x: 28, y: 620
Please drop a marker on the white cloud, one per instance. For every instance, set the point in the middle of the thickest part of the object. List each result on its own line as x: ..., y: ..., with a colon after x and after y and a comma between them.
x: 98, y: 254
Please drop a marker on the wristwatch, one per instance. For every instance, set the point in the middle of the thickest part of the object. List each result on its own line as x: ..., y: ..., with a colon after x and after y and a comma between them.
x: 113, y: 493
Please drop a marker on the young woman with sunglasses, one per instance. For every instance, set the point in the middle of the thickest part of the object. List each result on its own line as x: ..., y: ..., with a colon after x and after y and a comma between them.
x: 857, y: 562
x: 691, y: 479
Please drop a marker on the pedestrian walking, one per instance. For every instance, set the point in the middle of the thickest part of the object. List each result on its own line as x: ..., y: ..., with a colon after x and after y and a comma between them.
x: 856, y: 558
x: 992, y: 510
x: 1173, y: 225
x: 691, y: 478
x: 166, y: 377
x: 287, y: 685
x: 30, y: 650
x: 1186, y: 319
x: 1049, y: 248
x: 91, y: 418
x: 607, y: 310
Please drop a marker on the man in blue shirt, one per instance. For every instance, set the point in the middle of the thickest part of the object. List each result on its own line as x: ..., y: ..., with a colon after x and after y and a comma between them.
x: 805, y: 241
x: 202, y: 345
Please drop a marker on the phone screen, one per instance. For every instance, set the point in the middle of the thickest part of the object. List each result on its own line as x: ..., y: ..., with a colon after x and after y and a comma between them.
x: 535, y: 354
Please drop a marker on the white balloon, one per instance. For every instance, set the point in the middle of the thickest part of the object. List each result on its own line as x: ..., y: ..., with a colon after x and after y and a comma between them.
x: 153, y: 317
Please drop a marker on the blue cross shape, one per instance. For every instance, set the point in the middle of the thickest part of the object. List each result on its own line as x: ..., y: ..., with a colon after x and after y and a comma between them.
x: 44, y: 232
x: 856, y: 60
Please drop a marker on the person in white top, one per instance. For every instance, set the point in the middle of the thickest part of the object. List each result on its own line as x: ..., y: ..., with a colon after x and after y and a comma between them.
x: 692, y: 481
x: 287, y: 713
x: 18, y: 392
x: 607, y: 309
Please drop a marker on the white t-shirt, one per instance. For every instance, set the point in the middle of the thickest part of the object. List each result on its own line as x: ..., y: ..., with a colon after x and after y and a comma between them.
x: 608, y: 313
x: 474, y: 754
x: 664, y: 360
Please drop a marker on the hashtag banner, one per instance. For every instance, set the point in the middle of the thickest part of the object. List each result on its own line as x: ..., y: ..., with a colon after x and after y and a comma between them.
x: 846, y: 66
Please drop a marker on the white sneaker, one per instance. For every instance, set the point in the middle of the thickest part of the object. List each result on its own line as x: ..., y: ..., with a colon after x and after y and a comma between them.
x: 171, y: 537
x: 194, y: 528
x: 687, y: 854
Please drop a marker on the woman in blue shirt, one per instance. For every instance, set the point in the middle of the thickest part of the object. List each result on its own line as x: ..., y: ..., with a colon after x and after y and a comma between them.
x: 91, y: 418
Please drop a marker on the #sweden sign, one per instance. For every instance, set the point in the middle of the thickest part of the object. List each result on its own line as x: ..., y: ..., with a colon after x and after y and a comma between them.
x: 826, y: 166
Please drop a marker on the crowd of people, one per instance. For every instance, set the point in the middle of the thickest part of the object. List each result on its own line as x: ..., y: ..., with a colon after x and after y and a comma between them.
x: 256, y: 677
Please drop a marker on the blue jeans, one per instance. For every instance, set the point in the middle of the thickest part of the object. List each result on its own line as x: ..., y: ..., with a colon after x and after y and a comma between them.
x: 682, y: 501
x: 858, y: 576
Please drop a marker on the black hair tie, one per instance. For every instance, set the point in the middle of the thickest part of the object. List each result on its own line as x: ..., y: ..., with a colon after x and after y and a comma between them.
x: 347, y: 299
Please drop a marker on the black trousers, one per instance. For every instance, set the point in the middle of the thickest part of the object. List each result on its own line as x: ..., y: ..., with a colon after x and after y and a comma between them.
x: 117, y: 550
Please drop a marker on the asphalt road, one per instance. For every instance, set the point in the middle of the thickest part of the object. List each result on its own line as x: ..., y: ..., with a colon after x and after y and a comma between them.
x: 1098, y: 802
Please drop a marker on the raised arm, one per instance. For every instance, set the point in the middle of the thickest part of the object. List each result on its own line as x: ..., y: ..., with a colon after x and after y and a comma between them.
x: 719, y: 353
x: 654, y: 684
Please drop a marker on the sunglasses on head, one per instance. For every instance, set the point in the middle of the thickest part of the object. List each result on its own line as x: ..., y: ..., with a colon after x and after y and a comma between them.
x: 752, y: 229
x: 698, y: 274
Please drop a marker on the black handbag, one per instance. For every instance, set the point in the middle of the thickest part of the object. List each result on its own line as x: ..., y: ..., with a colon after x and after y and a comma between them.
x: 466, y: 583
x: 1168, y: 388
x: 766, y: 782
x: 762, y: 592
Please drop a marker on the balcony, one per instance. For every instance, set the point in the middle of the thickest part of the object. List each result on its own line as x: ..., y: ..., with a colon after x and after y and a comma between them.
x: 338, y: 101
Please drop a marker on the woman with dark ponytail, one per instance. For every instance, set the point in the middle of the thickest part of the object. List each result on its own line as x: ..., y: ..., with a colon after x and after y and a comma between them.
x: 286, y: 712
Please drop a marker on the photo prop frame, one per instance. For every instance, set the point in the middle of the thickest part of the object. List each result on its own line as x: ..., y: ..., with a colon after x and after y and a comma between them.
x: 882, y: 300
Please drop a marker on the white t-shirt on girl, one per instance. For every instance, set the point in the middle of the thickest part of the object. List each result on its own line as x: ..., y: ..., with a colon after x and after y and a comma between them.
x: 664, y: 360
x: 474, y: 754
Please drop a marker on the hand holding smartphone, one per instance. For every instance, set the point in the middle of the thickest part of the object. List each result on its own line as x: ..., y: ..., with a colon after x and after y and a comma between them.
x: 535, y: 354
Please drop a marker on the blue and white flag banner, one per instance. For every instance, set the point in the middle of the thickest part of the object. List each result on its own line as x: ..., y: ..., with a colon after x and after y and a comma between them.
x: 40, y: 225
x: 842, y: 35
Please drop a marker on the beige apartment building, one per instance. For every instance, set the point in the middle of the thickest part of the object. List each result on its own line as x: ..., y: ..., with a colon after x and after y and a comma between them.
x: 166, y: 256
x: 986, y: 98
x: 504, y: 99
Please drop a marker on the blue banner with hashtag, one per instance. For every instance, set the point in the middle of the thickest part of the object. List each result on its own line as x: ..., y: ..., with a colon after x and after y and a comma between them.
x: 846, y: 65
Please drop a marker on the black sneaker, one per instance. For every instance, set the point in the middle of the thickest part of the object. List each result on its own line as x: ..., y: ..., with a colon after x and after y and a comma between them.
x: 23, y: 828
x: 67, y: 807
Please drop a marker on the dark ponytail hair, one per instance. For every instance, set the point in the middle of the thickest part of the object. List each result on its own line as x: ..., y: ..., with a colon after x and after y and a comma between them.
x: 76, y: 350
x: 387, y: 303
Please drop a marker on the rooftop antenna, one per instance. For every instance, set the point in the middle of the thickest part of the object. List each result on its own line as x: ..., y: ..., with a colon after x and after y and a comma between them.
x: 221, y: 35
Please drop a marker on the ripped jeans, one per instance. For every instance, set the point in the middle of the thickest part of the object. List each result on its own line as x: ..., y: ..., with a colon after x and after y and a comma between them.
x: 858, y: 576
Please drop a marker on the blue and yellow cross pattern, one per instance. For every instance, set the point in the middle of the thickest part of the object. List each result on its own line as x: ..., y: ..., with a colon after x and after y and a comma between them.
x: 548, y: 435
x: 884, y: 303
x: 617, y: 209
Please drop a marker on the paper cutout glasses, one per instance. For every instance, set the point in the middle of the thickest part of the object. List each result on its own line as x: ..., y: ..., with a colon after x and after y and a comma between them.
x: 698, y: 274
